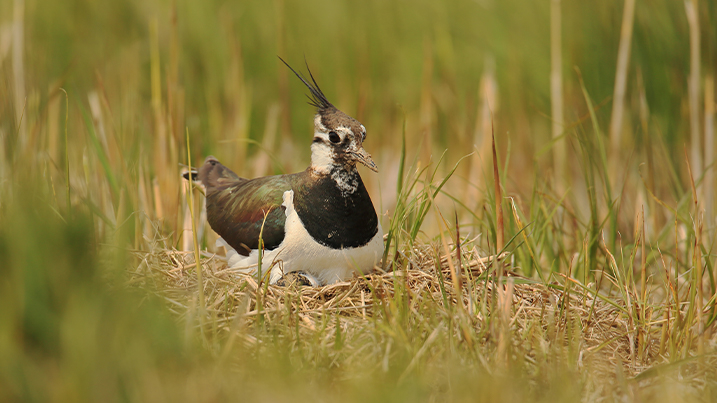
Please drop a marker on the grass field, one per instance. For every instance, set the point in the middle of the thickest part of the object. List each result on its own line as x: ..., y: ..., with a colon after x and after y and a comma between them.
x: 574, y: 262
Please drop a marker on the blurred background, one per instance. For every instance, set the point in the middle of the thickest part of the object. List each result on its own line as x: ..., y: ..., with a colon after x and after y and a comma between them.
x: 125, y: 80
x: 603, y: 115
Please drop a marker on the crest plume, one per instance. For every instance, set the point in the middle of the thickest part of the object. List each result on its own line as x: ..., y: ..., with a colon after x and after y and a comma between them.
x: 317, y: 97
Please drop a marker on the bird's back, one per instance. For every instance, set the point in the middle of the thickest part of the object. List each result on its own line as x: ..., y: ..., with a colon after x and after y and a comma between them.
x: 243, y: 210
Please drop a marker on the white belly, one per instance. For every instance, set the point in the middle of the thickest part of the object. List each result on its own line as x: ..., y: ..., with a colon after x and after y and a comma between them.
x: 300, y: 252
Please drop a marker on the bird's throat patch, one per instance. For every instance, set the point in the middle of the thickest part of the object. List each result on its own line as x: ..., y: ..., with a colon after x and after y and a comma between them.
x: 346, y: 181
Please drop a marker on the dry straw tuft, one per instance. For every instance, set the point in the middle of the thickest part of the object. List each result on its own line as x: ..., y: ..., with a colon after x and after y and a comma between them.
x: 539, y: 314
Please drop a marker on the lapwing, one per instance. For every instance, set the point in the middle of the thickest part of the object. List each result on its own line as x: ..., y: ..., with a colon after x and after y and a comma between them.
x: 318, y: 226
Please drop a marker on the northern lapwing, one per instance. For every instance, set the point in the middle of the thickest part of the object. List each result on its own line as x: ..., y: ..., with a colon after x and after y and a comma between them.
x: 318, y: 225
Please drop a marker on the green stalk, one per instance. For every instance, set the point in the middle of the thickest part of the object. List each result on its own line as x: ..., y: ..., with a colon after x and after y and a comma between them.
x: 67, y: 155
x: 190, y: 199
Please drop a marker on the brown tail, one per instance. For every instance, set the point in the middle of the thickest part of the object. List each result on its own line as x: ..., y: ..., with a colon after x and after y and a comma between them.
x: 214, y: 174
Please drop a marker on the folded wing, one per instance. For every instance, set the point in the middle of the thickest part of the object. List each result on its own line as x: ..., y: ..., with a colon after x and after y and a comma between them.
x: 238, y: 208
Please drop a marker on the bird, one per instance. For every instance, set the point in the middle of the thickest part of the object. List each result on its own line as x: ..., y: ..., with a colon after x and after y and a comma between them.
x: 314, y: 227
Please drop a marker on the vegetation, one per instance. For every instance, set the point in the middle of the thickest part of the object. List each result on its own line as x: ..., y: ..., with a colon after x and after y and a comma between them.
x: 547, y: 193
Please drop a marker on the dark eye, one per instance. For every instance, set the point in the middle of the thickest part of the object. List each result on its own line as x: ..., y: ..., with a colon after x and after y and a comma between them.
x: 334, y: 137
x: 364, y: 137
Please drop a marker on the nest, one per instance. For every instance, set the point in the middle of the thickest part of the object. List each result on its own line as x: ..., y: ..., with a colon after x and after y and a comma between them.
x: 496, y: 306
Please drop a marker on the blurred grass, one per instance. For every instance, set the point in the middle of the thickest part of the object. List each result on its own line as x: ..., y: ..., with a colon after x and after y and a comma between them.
x: 138, y: 74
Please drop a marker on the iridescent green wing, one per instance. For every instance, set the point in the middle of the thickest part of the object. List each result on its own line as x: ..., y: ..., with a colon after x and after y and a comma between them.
x: 238, y: 208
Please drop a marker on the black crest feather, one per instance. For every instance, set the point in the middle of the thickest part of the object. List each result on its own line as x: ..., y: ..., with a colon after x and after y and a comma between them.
x: 317, y: 97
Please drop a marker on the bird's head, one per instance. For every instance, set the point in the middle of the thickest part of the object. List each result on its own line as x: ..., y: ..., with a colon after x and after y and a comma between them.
x: 338, y: 138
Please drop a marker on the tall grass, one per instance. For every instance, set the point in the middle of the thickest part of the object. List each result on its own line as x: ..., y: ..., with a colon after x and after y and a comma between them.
x: 100, y: 297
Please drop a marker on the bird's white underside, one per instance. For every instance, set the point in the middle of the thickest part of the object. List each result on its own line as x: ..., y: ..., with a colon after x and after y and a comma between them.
x: 300, y: 252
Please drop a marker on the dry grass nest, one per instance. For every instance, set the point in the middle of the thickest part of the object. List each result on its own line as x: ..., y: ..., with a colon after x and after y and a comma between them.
x: 528, y: 312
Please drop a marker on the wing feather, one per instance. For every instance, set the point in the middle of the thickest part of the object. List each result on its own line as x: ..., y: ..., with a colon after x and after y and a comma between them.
x: 237, y: 208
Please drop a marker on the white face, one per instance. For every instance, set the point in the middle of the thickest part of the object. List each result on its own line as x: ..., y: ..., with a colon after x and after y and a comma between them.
x: 328, y: 144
